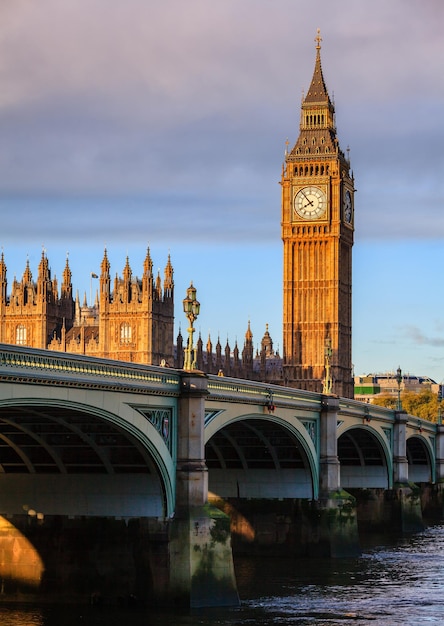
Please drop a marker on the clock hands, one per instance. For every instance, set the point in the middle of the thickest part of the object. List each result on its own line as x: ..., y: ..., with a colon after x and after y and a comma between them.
x: 309, y: 202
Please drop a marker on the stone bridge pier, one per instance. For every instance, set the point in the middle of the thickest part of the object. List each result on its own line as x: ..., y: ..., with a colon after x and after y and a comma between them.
x: 407, y: 514
x: 337, y: 508
x: 201, y: 561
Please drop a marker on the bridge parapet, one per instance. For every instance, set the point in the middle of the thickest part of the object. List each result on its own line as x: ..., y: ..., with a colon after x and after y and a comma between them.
x: 364, y: 411
x: 43, y: 367
x: 372, y: 412
x: 250, y: 392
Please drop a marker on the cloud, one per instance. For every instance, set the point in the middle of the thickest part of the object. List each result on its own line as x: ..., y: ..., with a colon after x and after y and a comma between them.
x: 149, y: 107
x: 416, y: 335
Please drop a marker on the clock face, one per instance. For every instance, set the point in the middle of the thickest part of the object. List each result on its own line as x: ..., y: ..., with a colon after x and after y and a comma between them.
x: 348, y: 209
x: 310, y: 203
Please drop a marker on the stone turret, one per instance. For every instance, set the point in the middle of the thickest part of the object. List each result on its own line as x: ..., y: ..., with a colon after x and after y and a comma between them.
x: 134, y: 322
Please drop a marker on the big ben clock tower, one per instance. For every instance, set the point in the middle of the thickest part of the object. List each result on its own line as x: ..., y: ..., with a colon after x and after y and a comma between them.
x: 317, y: 233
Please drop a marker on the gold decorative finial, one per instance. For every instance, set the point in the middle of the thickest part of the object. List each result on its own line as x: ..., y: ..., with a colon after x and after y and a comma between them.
x: 318, y: 39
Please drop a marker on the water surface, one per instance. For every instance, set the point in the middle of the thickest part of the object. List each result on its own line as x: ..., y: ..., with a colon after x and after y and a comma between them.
x: 390, y: 585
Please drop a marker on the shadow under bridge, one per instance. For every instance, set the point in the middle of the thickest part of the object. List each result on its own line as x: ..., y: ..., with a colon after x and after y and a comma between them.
x: 255, y: 457
x: 57, y: 459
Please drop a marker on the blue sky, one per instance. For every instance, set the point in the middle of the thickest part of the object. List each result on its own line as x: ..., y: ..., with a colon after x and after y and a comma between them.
x: 136, y: 123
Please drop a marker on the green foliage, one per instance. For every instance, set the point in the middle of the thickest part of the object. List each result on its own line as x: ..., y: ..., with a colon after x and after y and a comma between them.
x: 423, y: 404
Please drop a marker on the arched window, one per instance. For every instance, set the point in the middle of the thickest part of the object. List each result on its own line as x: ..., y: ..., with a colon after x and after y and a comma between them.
x: 20, y: 335
x: 125, y: 333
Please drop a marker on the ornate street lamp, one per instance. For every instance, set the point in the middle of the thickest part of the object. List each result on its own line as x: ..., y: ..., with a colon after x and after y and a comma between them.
x: 327, y: 384
x: 191, y: 308
x: 439, y: 404
x: 399, y: 381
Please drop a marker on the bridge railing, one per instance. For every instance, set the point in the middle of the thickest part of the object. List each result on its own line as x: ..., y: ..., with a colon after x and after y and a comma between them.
x: 31, y: 365
x: 228, y: 389
x: 372, y: 412
x: 366, y: 411
x: 46, y: 367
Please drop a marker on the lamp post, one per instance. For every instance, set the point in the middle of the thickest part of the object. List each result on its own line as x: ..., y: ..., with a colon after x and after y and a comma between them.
x: 399, y: 381
x: 439, y: 404
x: 327, y: 384
x: 191, y: 308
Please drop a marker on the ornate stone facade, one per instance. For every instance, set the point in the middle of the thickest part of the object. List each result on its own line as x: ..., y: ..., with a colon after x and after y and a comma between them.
x: 133, y: 321
x: 264, y: 364
x: 130, y: 320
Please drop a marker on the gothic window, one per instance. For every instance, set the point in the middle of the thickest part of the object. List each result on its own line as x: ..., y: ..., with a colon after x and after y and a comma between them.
x: 125, y: 333
x: 20, y: 335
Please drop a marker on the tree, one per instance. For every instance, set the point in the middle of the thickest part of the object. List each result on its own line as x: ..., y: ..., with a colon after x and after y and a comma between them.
x: 423, y: 404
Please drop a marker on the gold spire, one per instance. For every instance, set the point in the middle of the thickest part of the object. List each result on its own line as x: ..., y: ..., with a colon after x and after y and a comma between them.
x: 317, y: 92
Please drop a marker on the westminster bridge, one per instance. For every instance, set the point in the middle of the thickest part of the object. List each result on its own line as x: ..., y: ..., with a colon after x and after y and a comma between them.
x: 84, y: 439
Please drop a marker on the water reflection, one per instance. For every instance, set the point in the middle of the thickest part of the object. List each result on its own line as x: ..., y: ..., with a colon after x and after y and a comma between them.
x: 399, y: 585
x: 19, y: 560
x: 402, y: 584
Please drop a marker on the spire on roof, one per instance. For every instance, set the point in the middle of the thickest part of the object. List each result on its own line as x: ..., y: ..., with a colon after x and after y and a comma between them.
x: 2, y: 266
x: 105, y: 265
x: 317, y: 91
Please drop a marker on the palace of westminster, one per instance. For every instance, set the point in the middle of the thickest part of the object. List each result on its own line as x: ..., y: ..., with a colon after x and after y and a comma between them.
x: 132, y: 319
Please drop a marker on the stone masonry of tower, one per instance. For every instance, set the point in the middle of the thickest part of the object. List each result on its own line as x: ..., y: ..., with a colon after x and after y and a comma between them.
x: 317, y: 233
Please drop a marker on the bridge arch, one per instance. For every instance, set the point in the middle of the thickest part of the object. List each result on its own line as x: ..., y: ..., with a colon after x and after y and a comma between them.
x: 252, y: 456
x: 108, y: 463
x: 419, y: 457
x: 365, y: 458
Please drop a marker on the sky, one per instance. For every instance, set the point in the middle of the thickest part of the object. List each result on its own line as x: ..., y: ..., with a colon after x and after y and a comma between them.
x: 141, y: 123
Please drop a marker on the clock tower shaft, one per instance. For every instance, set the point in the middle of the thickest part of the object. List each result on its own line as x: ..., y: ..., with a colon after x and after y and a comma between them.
x: 317, y: 233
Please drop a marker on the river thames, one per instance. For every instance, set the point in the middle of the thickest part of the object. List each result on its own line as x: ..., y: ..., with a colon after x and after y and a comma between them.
x: 391, y: 584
